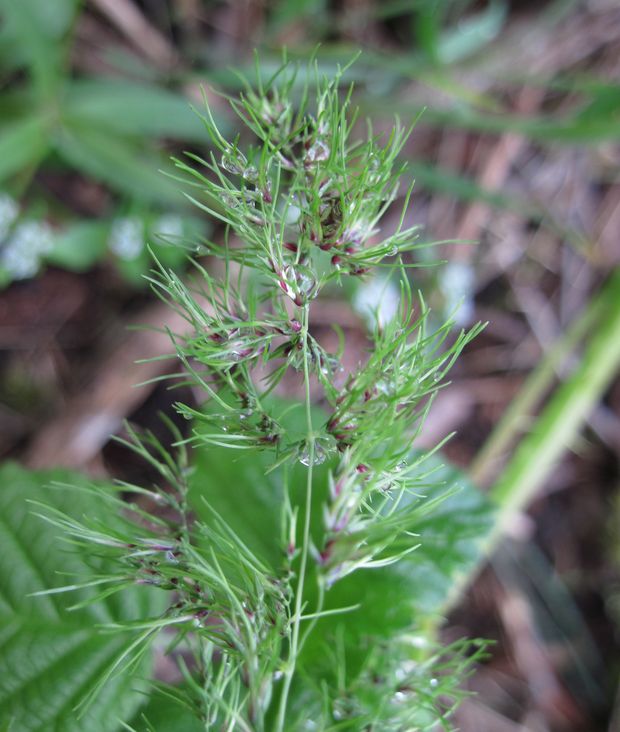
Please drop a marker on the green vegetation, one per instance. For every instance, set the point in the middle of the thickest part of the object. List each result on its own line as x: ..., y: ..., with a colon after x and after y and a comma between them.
x: 313, y: 589
x: 295, y: 558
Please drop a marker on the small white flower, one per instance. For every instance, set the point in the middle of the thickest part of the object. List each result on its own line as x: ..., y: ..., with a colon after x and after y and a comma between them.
x: 169, y: 226
x: 377, y: 300
x: 22, y: 253
x: 127, y: 238
x: 20, y: 265
x: 456, y: 281
x: 292, y: 214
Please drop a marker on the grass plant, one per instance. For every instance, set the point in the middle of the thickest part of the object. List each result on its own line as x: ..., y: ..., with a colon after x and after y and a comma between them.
x: 256, y: 616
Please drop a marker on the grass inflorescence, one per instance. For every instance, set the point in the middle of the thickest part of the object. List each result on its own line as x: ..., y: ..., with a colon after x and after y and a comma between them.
x: 302, y: 203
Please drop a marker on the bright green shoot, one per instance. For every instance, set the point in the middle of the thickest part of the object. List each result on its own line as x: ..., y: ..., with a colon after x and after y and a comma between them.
x: 251, y: 622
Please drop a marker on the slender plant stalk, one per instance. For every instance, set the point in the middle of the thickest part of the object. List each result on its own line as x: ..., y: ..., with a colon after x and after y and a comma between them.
x: 305, y: 548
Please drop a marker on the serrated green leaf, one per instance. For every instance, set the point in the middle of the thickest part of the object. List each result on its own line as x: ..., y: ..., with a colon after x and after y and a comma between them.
x: 164, y: 714
x: 133, y: 109
x: 51, y: 657
x: 414, y: 591
x: 253, y: 508
x: 392, y: 599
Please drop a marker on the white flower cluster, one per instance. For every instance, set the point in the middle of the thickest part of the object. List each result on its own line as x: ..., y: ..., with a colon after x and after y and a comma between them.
x: 169, y: 226
x: 377, y: 300
x: 128, y: 234
x: 30, y: 241
x: 127, y: 237
x: 457, y: 281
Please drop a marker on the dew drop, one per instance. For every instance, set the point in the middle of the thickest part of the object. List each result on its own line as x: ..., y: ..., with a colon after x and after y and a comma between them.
x: 306, y: 282
x: 317, y: 152
x: 323, y: 447
x: 233, y: 162
x: 250, y: 174
x: 385, y: 387
x: 230, y: 201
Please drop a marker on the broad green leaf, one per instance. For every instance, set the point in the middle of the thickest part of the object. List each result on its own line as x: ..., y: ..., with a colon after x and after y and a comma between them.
x: 22, y: 143
x: 52, y: 657
x: 79, y: 246
x: 414, y: 591
x: 132, y: 109
x: 394, y: 598
x: 119, y: 162
x: 164, y: 714
x: 239, y: 486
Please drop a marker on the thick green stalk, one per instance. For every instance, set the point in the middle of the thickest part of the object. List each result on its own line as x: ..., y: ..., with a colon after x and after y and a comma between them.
x: 568, y: 408
x: 530, y: 394
x: 555, y: 429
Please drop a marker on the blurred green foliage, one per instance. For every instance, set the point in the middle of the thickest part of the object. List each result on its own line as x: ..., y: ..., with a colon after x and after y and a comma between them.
x: 53, y: 652
x: 106, y: 129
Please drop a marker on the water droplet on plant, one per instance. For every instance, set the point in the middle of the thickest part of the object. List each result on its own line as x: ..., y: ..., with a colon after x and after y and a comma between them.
x: 317, y: 152
x: 233, y: 162
x: 250, y: 174
x: 323, y: 448
x: 293, y: 212
x: 385, y: 387
x: 305, y: 458
x: 230, y: 201
x: 306, y: 281
x: 434, y: 683
x: 250, y: 198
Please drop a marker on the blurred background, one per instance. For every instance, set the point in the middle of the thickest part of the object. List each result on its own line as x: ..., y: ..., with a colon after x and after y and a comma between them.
x: 516, y: 157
